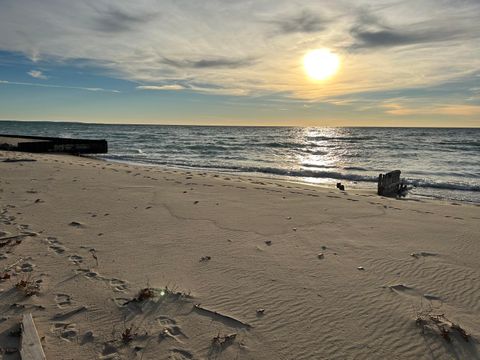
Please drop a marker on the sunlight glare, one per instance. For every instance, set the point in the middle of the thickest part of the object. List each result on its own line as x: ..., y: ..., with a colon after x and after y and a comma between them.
x: 321, y: 64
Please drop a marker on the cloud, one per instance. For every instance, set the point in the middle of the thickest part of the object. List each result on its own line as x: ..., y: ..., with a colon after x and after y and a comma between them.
x: 304, y: 22
x: 117, y: 20
x: 235, y: 47
x: 219, y: 62
x: 57, y: 86
x: 389, y: 37
x: 161, y: 87
x: 37, y: 74
x: 372, y: 31
x: 434, y: 109
x: 205, y: 88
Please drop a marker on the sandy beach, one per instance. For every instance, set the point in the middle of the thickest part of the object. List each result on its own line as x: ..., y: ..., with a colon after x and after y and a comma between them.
x: 235, y: 267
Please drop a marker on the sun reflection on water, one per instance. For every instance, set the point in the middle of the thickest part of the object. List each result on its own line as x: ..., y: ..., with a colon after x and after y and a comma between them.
x: 320, y: 153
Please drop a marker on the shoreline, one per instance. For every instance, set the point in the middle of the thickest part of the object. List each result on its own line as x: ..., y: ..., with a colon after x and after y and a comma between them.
x: 352, y: 185
x: 337, y: 274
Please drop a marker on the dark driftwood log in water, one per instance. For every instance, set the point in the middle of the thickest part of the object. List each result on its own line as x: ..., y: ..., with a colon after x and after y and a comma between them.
x: 389, y: 184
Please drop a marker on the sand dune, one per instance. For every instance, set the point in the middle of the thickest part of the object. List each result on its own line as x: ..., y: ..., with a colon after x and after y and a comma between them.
x: 232, y: 264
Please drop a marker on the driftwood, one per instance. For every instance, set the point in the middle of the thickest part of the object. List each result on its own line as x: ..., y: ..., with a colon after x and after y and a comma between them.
x: 389, y: 184
x: 227, y: 318
x: 31, y: 345
x: 17, y: 239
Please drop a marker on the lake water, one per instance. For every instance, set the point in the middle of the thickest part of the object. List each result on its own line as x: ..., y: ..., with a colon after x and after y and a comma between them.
x: 438, y: 163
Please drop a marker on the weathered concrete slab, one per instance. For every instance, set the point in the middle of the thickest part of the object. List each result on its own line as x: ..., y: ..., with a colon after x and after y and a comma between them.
x: 39, y: 144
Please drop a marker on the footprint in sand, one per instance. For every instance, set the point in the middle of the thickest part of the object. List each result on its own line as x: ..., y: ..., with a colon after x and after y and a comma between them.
x: 76, y: 259
x: 87, y: 273
x: 170, y: 328
x: 55, y: 245
x: 180, y: 354
x: 165, y: 320
x: 118, y: 285
x: 63, y: 300
x: 26, y: 267
x: 109, y: 351
x: 87, y: 337
x: 65, y: 330
x: 91, y: 274
x: 59, y: 249
x: 121, y: 301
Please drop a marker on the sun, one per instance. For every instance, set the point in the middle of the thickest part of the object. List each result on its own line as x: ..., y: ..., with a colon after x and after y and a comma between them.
x: 321, y: 64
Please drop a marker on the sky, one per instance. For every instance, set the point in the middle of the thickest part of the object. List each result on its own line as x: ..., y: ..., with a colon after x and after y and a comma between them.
x: 240, y: 62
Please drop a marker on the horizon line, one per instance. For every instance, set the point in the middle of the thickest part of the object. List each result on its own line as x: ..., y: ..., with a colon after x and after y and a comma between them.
x: 265, y: 126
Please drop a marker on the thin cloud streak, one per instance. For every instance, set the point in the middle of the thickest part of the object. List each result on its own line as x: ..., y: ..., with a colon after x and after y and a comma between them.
x: 37, y: 74
x: 194, y: 88
x: 58, y: 86
x: 219, y: 62
x: 172, y: 87
x: 433, y: 109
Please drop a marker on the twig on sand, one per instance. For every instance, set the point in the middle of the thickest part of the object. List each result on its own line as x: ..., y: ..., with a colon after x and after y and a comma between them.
x: 11, y: 240
x: 94, y: 255
x: 7, y: 268
x: 5, y: 273
x: 204, y: 310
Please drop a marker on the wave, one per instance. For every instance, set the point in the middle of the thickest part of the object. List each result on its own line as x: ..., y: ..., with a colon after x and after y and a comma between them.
x: 298, y: 173
x: 274, y: 144
x: 314, y: 152
x: 474, y: 143
x: 316, y: 166
x: 357, y: 168
x: 341, y: 138
x: 421, y: 183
